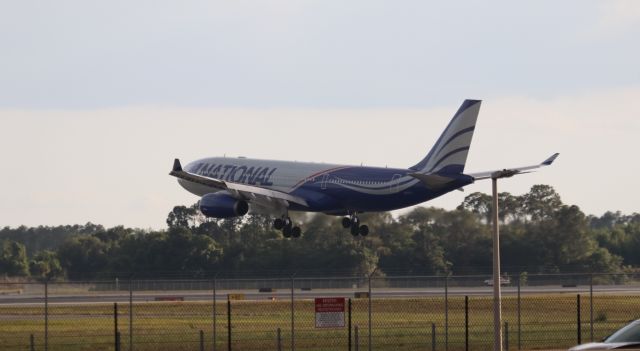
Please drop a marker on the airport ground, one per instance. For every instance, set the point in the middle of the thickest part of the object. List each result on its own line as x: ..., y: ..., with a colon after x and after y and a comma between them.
x: 82, y: 296
x: 401, y: 319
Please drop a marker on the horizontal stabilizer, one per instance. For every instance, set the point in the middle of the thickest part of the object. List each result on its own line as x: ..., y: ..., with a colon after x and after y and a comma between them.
x: 432, y: 181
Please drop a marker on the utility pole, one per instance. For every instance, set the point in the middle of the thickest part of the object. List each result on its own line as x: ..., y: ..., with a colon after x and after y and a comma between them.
x: 497, y: 294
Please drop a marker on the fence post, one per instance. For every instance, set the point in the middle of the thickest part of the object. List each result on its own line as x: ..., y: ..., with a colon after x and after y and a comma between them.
x: 215, y: 336
x: 506, y: 336
x: 131, y: 313
x: 466, y: 323
x: 279, y: 340
x: 118, y: 343
x: 519, y: 314
x: 349, y: 319
x: 46, y: 315
x: 370, y: 336
x: 433, y: 337
x: 591, y: 305
x: 293, y: 312
x: 116, y: 340
x: 356, y: 339
x: 32, y: 345
x: 578, y: 321
x: 446, y: 312
x: 201, y: 340
x: 228, y: 323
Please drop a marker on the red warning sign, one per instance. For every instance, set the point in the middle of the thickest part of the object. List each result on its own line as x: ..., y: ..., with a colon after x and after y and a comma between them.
x: 330, y: 312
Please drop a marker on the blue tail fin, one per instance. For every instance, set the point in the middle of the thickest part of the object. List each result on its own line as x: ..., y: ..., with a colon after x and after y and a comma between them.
x: 449, y: 154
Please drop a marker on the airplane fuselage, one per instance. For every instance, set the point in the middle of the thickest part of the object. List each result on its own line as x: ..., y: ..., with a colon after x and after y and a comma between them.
x: 231, y: 187
x: 328, y: 188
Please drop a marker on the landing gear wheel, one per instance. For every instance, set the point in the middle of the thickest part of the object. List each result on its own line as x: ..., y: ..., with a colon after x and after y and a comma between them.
x: 346, y: 222
x: 364, y: 230
x: 286, y: 231
x: 296, y: 232
x: 278, y: 223
x: 355, y: 230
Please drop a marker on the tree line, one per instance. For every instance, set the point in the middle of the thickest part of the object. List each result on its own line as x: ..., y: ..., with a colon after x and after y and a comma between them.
x: 539, y: 234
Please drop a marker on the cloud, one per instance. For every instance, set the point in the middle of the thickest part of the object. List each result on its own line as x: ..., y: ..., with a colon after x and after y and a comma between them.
x: 619, y: 15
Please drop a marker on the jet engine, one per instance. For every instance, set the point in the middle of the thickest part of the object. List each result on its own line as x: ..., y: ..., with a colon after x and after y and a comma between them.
x: 222, y: 205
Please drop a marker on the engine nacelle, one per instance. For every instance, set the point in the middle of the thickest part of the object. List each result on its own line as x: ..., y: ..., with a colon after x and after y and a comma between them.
x: 222, y: 205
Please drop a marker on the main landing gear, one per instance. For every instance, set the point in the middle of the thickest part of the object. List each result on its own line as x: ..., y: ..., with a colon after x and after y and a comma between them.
x: 353, y: 224
x: 288, y: 230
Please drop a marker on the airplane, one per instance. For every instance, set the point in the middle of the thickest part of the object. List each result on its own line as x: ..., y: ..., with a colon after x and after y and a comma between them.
x: 229, y: 187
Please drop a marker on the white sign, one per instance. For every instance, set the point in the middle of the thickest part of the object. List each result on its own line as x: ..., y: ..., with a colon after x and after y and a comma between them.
x: 330, y: 312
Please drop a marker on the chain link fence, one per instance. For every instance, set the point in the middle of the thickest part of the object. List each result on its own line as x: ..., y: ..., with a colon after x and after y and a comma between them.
x: 379, y: 313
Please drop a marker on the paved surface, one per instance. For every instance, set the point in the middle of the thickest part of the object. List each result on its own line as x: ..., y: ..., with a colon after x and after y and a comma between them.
x: 78, y: 297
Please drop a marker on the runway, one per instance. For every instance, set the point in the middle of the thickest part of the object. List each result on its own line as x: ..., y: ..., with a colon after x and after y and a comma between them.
x: 91, y: 297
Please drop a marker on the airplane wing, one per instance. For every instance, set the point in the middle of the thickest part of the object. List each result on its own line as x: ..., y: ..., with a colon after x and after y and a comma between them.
x: 510, y: 172
x: 242, y: 191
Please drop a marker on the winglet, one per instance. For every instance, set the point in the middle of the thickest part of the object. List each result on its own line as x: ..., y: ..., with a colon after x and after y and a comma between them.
x: 177, y: 167
x: 550, y: 160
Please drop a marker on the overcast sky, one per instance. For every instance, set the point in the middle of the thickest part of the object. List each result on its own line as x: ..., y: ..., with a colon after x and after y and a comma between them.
x: 98, y: 97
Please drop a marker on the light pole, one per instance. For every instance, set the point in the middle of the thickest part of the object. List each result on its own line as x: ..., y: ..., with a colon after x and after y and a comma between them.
x: 497, y: 302
x: 497, y: 298
x: 497, y: 294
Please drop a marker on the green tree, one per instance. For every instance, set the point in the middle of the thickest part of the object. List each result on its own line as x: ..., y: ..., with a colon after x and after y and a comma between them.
x: 428, y: 255
x: 13, y: 259
x: 602, y: 261
x: 541, y: 202
x: 511, y: 207
x: 467, y: 242
x: 479, y: 204
x: 45, y: 265
x: 36, y: 239
x: 183, y: 217
x: 539, y: 233
x: 84, y: 257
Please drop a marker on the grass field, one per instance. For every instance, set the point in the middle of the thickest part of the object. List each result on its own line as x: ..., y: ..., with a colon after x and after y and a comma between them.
x: 547, y: 322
